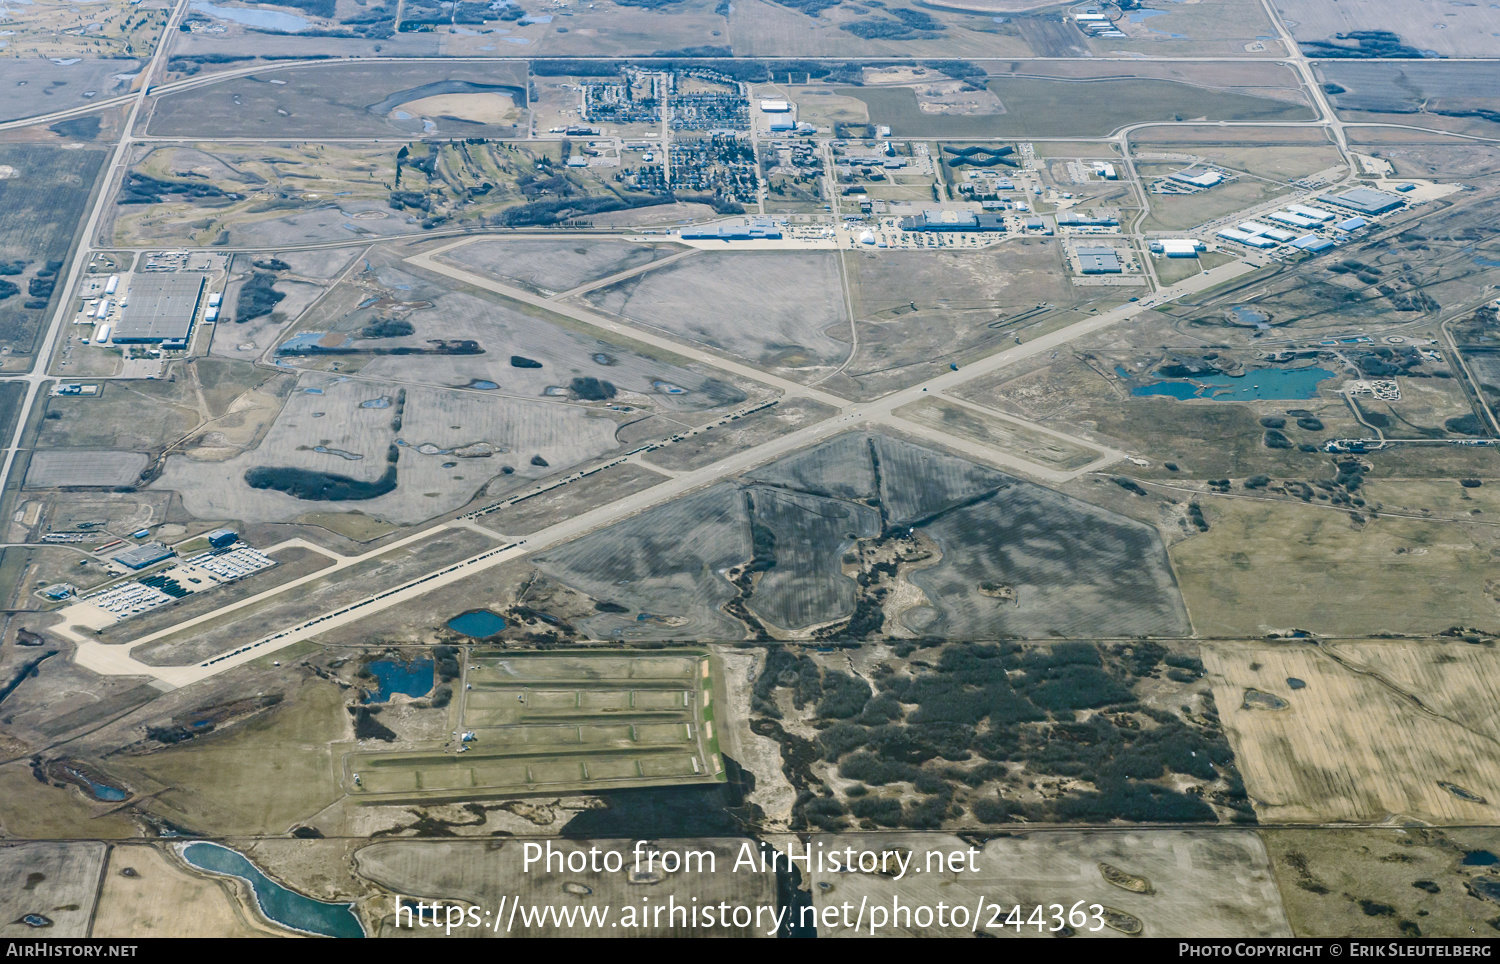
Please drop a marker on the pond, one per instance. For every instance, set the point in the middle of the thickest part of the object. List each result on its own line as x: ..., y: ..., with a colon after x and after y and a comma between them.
x: 477, y: 624
x: 264, y: 19
x: 100, y: 791
x: 279, y: 905
x: 409, y: 679
x: 1266, y: 383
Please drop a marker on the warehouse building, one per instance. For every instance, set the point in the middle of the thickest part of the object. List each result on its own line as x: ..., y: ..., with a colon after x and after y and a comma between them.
x: 161, y: 310
x: 1099, y: 260
x: 1366, y: 200
x: 944, y: 221
x: 139, y: 557
x: 1197, y: 178
x: 752, y: 229
x: 1178, y: 247
x: 1071, y: 219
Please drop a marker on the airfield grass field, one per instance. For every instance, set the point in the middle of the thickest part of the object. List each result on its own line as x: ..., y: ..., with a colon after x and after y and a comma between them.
x: 1005, y: 435
x: 559, y: 723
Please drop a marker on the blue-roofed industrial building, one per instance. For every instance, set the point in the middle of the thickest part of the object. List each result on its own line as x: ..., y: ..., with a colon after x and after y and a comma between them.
x: 1312, y: 244
x: 1353, y: 224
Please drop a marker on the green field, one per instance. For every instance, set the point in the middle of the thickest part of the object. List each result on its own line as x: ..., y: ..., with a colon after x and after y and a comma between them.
x: 560, y: 723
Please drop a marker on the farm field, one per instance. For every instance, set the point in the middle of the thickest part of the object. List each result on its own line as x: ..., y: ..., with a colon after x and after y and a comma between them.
x: 1201, y: 884
x: 1051, y: 108
x: 43, y: 193
x: 1380, y: 882
x: 1266, y: 566
x: 351, y: 100
x: 480, y: 872
x: 1442, y: 31
x: 564, y: 723
x: 58, y: 881
x: 1342, y: 732
x: 164, y: 899
x: 986, y: 555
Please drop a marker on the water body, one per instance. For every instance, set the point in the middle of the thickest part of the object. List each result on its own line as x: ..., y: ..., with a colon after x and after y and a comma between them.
x: 381, y: 402
x: 1480, y: 858
x: 477, y: 624
x: 483, y: 385
x: 409, y: 679
x: 100, y: 791
x: 261, y: 19
x: 1269, y: 383
x: 288, y: 908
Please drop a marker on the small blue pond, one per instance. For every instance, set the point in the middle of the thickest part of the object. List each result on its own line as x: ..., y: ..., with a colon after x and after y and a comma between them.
x: 483, y: 385
x: 100, y: 791
x: 477, y: 624
x: 280, y: 905
x: 409, y: 679
x: 1267, y: 383
x: 1480, y: 858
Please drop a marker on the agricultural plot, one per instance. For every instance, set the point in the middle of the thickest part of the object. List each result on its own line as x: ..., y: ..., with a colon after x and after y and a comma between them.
x: 264, y: 777
x: 808, y: 535
x: 83, y: 467
x: 799, y: 322
x: 1036, y: 107
x: 1435, y: 30
x: 161, y: 898
x: 40, y: 86
x: 1072, y: 570
x: 554, y: 266
x: 353, y: 100
x: 1004, y: 557
x: 559, y: 724
x: 759, y: 28
x: 1267, y: 566
x: 398, y: 454
x: 43, y: 193
x: 1322, y: 735
x: 1439, y: 93
x: 1198, y: 884
x: 664, y: 565
x: 1417, y: 882
x: 55, y: 881
x: 480, y: 872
